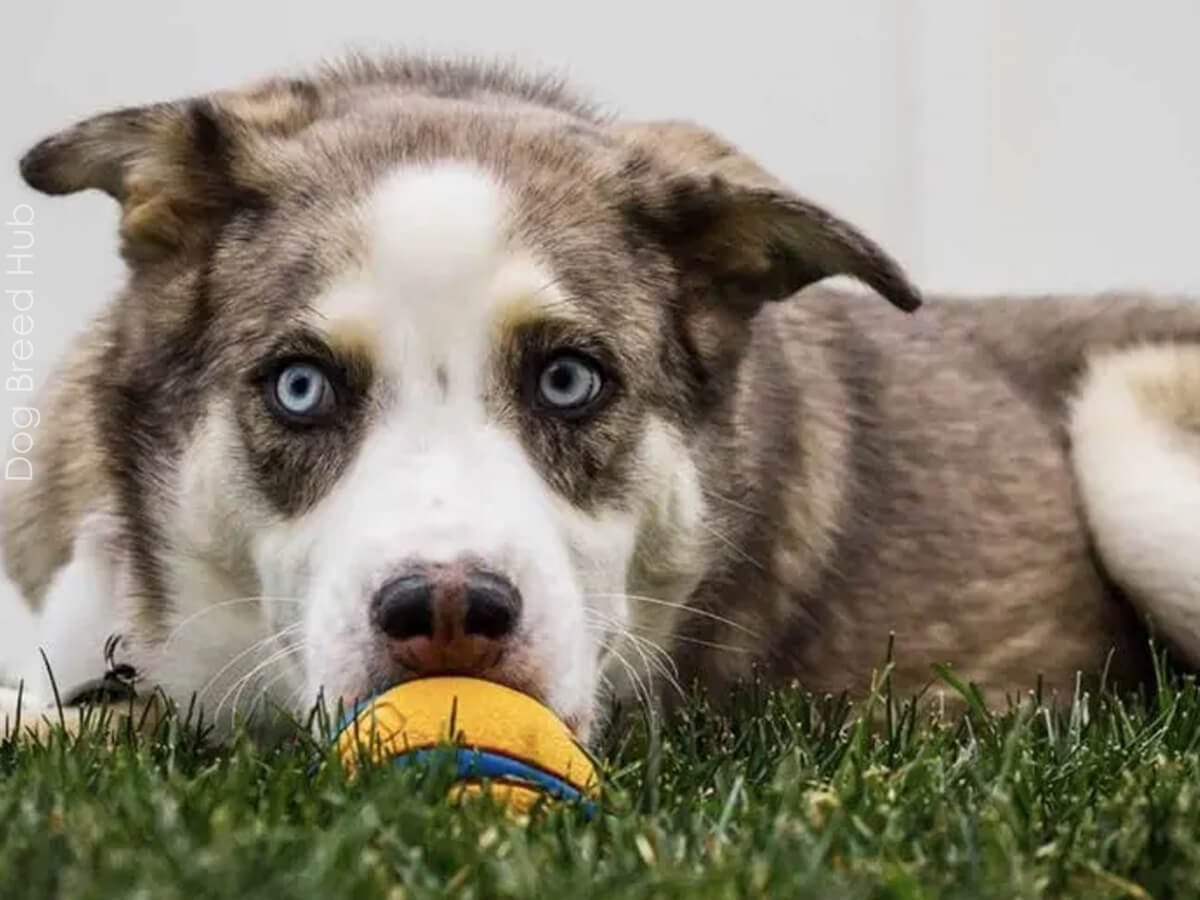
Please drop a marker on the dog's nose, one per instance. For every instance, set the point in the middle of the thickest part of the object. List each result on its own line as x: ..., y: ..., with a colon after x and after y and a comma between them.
x: 443, y: 619
x: 406, y: 607
x: 492, y: 605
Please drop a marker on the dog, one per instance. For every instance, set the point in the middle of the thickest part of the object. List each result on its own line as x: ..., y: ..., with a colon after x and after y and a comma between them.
x: 427, y: 366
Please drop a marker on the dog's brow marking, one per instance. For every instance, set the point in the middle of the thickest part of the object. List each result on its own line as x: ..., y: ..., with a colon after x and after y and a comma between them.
x: 515, y: 314
x: 348, y: 305
x: 352, y: 335
x: 524, y: 295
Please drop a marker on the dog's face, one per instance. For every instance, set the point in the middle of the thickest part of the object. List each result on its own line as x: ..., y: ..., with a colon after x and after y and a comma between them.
x: 427, y: 356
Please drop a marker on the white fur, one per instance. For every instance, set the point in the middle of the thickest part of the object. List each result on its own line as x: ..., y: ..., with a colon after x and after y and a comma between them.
x: 81, y: 610
x: 1139, y: 476
x: 225, y: 641
x: 261, y: 606
x: 669, y: 555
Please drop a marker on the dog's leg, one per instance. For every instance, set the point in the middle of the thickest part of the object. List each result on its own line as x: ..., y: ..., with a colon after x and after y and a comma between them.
x: 1135, y: 445
x: 82, y: 609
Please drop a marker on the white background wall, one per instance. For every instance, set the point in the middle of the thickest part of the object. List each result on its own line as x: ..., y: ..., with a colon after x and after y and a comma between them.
x: 1017, y: 145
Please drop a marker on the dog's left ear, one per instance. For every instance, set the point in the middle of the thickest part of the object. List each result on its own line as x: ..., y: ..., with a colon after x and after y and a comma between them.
x: 727, y: 221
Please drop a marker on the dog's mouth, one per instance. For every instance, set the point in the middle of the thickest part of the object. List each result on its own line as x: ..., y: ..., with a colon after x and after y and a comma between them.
x: 510, y: 677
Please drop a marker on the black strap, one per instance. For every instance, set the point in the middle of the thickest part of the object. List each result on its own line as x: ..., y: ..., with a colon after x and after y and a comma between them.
x: 115, y: 685
x: 108, y: 688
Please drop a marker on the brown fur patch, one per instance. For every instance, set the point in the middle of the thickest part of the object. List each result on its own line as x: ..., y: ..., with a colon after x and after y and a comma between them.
x: 869, y: 473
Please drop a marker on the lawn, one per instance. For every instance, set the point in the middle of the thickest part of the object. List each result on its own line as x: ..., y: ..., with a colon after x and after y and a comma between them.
x: 792, y: 796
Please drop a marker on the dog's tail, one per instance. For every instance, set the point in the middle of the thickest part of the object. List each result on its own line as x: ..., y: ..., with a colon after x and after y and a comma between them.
x: 1135, y: 447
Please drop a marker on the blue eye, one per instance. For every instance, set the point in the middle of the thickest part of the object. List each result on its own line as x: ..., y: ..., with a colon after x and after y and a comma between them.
x: 570, y: 383
x: 302, y: 393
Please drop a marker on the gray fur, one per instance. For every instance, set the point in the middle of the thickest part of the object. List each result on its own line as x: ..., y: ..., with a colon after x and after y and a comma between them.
x: 870, y: 472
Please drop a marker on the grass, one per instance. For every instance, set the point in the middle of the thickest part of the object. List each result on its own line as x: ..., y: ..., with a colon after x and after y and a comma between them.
x: 793, y: 795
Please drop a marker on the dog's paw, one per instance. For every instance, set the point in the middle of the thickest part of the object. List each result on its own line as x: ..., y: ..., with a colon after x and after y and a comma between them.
x: 26, y: 714
x: 33, y: 718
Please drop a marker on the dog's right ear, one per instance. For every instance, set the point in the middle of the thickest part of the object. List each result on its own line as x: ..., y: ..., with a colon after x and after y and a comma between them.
x: 172, y: 166
x: 729, y: 223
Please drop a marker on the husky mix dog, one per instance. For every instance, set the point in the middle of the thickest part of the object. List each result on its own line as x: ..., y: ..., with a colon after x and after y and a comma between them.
x: 428, y: 366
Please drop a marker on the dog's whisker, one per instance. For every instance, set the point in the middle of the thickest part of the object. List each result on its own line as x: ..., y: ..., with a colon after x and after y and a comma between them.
x: 641, y: 652
x: 283, y: 673
x: 224, y: 604
x: 609, y: 625
x: 732, y: 546
x: 239, y: 686
x: 602, y: 627
x: 253, y: 648
x: 681, y: 607
x: 656, y: 661
x: 714, y: 645
x: 655, y: 658
x: 596, y: 617
x: 640, y: 688
x: 736, y: 504
x: 655, y: 647
x: 662, y: 659
x: 242, y: 680
x: 644, y: 632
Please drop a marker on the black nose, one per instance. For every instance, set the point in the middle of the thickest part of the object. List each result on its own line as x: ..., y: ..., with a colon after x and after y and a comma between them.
x: 447, y: 603
x: 493, y: 604
x: 406, y: 607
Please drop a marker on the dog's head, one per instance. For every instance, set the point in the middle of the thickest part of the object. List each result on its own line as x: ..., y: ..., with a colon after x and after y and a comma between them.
x: 426, y: 351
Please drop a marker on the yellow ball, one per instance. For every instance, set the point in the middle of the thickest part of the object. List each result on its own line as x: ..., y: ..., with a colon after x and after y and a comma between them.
x: 504, y: 739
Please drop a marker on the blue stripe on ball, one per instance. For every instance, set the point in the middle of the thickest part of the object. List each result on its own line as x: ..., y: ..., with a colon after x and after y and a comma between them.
x: 473, y: 763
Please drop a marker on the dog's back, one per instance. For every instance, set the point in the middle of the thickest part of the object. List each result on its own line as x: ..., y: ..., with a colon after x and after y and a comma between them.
x: 916, y: 481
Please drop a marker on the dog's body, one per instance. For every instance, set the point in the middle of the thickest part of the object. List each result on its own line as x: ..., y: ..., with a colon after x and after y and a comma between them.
x: 749, y: 483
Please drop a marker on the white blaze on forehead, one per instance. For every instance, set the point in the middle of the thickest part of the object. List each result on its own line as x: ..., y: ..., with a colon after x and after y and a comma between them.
x: 434, y: 240
x: 437, y: 272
